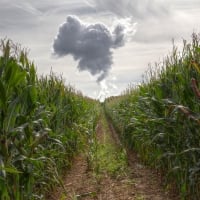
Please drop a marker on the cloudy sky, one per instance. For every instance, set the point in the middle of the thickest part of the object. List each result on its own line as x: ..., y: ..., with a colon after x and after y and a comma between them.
x: 99, y: 46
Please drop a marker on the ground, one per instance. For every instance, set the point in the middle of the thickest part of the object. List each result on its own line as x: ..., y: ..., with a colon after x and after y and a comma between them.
x: 114, y: 174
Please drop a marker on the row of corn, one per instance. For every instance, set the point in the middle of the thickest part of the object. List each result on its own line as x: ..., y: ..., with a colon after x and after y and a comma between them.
x: 43, y: 123
x: 160, y: 118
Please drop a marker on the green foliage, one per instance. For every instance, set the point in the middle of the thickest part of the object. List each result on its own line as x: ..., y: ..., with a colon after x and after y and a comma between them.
x: 161, y: 118
x: 43, y: 123
x: 104, y: 155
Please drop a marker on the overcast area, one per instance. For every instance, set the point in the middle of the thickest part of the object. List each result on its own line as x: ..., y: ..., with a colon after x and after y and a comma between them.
x: 99, y: 46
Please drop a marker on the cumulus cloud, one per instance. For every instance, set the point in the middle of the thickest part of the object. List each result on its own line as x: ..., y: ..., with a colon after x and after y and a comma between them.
x: 91, y: 44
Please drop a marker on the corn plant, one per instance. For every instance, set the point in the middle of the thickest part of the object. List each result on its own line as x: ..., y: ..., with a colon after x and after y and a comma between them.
x: 161, y: 118
x: 43, y: 123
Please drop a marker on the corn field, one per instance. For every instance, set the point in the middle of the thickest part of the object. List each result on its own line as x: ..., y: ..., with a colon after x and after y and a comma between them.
x: 43, y: 123
x: 160, y: 118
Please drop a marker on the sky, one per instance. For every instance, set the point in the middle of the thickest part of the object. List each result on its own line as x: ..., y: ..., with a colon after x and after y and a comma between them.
x: 99, y: 46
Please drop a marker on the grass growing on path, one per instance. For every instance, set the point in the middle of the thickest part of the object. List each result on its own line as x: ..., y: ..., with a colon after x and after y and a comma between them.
x: 108, y: 157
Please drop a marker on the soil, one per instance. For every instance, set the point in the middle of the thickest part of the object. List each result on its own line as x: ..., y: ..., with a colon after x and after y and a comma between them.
x: 138, y: 183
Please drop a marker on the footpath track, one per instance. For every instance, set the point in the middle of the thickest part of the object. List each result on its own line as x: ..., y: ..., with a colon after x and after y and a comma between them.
x: 112, y: 177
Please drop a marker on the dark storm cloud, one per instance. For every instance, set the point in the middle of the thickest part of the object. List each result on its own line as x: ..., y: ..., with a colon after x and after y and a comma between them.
x: 90, y: 44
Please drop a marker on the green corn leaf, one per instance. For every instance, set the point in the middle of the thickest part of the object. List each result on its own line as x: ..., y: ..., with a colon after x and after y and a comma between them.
x: 10, y: 169
x: 18, y: 78
x: 2, y: 93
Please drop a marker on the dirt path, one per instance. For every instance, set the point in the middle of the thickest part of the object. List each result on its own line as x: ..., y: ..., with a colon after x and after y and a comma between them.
x: 131, y: 182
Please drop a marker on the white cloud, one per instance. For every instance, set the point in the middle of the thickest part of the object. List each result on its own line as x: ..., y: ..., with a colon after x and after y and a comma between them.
x: 17, y: 16
x: 158, y: 20
x: 138, y: 9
